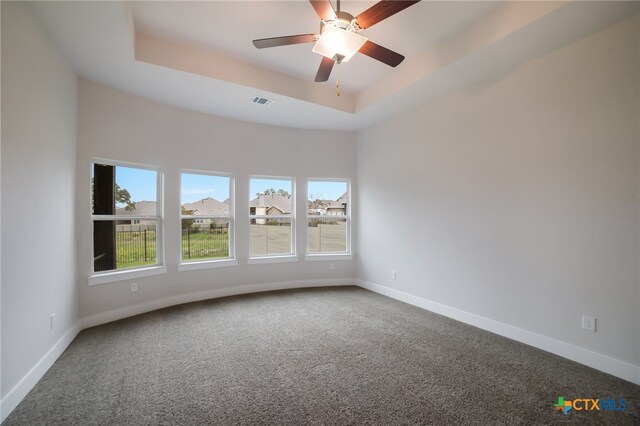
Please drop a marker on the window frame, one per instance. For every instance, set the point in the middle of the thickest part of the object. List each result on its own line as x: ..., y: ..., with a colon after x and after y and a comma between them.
x: 346, y: 255
x: 231, y: 260
x: 113, y: 275
x: 274, y: 258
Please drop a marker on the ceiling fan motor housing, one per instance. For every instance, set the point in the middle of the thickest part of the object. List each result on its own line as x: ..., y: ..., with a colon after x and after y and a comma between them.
x: 343, y: 20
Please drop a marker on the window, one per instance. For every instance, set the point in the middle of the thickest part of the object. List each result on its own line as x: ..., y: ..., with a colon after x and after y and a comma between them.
x: 328, y: 217
x: 126, y: 217
x: 271, y: 216
x: 207, y: 221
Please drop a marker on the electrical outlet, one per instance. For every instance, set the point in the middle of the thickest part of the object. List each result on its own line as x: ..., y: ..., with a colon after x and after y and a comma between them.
x: 134, y: 287
x: 51, y: 317
x: 331, y: 266
x: 589, y: 323
x: 393, y: 275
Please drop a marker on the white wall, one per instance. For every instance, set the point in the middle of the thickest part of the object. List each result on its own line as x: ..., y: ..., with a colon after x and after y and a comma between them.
x: 39, y: 92
x: 119, y: 126
x: 518, y: 200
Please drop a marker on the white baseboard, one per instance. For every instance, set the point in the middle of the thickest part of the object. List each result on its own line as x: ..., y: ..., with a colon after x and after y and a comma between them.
x: 615, y: 367
x: 22, y: 388
x: 592, y: 359
x: 128, y: 311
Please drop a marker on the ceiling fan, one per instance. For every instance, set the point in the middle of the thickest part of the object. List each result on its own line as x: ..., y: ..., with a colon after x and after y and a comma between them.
x: 339, y: 37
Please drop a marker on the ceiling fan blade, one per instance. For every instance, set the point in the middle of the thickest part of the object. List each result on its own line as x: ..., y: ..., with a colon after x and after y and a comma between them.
x: 325, y: 69
x: 323, y: 9
x: 382, y: 10
x: 382, y: 54
x: 284, y: 41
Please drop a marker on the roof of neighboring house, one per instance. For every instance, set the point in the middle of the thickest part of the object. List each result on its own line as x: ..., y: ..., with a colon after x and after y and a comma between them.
x: 143, y: 208
x: 272, y: 208
x: 339, y: 203
x: 319, y: 203
x: 280, y: 202
x: 208, y: 207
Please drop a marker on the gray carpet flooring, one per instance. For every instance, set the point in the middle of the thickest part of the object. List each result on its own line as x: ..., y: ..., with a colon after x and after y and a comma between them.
x: 314, y: 356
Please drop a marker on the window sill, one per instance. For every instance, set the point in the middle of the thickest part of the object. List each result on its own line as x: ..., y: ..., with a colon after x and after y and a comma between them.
x: 110, y: 277
x: 206, y: 264
x: 271, y: 259
x: 328, y: 256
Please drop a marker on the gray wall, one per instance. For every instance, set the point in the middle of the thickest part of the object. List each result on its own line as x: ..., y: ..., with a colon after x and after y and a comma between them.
x: 39, y: 92
x: 118, y: 126
x: 517, y: 200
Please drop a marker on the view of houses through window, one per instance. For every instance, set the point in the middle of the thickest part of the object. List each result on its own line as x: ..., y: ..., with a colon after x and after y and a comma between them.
x: 125, y: 216
x: 205, y: 216
x: 271, y: 218
x: 327, y: 216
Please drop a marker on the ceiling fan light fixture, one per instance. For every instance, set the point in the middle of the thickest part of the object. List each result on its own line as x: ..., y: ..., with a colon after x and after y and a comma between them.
x: 336, y: 41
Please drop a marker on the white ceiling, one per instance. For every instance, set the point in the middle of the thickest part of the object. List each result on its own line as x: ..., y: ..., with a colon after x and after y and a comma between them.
x: 199, y: 56
x: 231, y: 26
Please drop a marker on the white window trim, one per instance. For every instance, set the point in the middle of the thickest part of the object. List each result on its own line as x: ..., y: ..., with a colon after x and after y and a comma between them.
x: 123, y: 217
x: 272, y: 216
x: 274, y: 258
x: 346, y: 255
x: 280, y: 257
x: 327, y: 256
x: 188, y: 265
x: 125, y: 274
x: 114, y: 275
x: 206, y: 264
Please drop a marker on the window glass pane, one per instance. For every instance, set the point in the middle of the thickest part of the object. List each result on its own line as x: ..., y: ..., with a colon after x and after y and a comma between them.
x: 327, y: 198
x: 270, y: 236
x: 123, y: 244
x: 204, y: 239
x: 268, y: 197
x: 123, y: 190
x: 327, y: 235
x: 204, y: 195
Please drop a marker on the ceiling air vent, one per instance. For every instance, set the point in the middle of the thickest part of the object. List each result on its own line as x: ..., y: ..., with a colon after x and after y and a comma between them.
x: 262, y: 101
